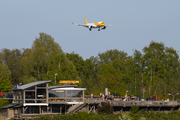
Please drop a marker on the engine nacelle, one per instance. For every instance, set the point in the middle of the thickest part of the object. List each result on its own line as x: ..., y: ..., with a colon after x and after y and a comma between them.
x: 104, y: 27
x: 90, y: 27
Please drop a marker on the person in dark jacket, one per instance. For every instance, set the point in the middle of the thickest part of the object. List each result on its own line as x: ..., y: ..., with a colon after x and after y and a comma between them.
x: 115, y: 94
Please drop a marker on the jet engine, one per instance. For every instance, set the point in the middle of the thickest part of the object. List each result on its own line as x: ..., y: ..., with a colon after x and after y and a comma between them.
x: 90, y: 27
x: 104, y: 27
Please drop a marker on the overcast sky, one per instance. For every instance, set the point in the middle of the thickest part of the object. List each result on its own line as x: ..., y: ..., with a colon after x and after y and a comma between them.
x: 135, y: 24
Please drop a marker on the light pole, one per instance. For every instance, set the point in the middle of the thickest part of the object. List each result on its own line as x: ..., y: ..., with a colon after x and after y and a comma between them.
x: 173, y: 95
x: 126, y: 92
x: 55, y: 78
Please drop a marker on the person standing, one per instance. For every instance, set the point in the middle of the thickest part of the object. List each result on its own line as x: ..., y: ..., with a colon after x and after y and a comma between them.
x: 109, y: 93
x: 115, y: 94
x: 101, y: 94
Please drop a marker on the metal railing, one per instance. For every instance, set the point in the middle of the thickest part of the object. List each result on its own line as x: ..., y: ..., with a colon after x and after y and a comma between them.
x: 68, y: 99
x: 143, y: 103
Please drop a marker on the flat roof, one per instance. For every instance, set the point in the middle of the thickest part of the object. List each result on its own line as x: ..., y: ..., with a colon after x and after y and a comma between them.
x: 66, y: 103
x: 69, y: 88
x: 22, y: 87
x: 62, y: 86
x: 8, y: 106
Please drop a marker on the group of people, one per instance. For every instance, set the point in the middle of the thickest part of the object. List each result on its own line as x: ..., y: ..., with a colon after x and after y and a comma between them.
x: 109, y: 96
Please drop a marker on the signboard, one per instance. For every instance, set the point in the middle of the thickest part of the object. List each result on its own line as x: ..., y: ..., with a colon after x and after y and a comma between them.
x: 59, y: 90
x: 73, y: 82
x: 144, y: 90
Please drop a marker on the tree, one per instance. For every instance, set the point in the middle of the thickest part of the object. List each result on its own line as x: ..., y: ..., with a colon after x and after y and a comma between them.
x: 4, y: 70
x: 112, y: 71
x: 12, y: 59
x: 46, y: 58
x: 153, y: 61
x: 86, y: 71
x: 5, y: 85
x: 138, y: 72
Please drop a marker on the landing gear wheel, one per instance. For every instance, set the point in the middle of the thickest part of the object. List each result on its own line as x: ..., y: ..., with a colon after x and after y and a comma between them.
x: 99, y: 29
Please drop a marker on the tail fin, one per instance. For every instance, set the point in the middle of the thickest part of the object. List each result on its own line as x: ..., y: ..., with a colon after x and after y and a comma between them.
x: 86, y: 22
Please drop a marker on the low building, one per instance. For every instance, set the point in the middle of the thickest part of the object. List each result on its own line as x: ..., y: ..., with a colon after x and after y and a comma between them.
x: 37, y: 98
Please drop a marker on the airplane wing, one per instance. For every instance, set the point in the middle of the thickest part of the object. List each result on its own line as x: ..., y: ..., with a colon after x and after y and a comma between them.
x: 80, y: 24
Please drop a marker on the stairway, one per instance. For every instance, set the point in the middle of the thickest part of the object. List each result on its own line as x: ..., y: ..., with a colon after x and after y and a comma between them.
x: 75, y: 108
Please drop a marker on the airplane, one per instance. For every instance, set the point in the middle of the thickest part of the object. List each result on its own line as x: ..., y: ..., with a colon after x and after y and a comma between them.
x: 93, y: 25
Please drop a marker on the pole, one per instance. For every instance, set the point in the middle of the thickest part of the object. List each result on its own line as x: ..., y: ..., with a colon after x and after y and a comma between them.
x: 173, y: 95
x: 55, y: 78
x: 143, y: 94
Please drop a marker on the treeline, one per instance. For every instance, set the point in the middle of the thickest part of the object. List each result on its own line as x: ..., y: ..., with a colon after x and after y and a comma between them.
x: 155, y: 69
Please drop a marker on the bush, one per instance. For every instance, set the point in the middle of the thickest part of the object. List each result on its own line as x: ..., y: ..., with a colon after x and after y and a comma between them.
x: 105, y: 108
x: 44, y: 117
x: 3, y: 102
x: 134, y: 109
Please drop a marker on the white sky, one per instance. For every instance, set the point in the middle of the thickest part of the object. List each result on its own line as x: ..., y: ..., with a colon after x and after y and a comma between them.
x: 135, y: 24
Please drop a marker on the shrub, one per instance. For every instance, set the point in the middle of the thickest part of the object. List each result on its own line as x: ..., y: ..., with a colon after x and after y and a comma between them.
x: 105, y: 108
x: 134, y: 109
x: 44, y: 117
x: 3, y: 102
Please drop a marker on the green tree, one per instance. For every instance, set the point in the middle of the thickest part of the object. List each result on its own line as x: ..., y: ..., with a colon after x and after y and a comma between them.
x: 45, y: 59
x: 5, y: 85
x: 138, y: 72
x: 12, y: 58
x: 112, y: 71
x: 86, y: 71
x: 153, y: 61
x: 4, y: 70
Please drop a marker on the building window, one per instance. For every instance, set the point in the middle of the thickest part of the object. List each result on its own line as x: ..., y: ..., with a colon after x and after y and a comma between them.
x: 29, y: 95
x: 41, y: 93
x: 55, y: 108
x: 32, y: 110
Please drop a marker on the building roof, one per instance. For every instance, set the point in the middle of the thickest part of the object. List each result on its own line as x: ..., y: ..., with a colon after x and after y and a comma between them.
x: 17, y: 106
x: 22, y: 87
x: 8, y: 106
x: 62, y: 86
x: 70, y: 88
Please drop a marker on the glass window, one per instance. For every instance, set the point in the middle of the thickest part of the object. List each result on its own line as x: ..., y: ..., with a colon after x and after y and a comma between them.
x: 15, y: 93
x: 45, y: 109
x: 55, y: 108
x: 29, y: 101
x: 41, y: 101
x: 41, y: 93
x: 74, y: 93
x: 31, y: 88
x: 42, y: 85
x: 32, y: 110
x: 59, y: 93
x: 29, y: 95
